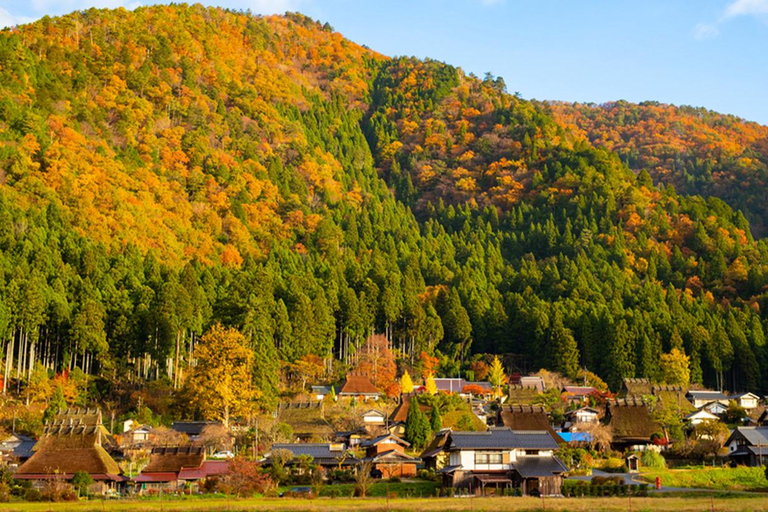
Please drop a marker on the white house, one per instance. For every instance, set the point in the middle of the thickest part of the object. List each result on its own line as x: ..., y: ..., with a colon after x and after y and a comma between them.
x: 577, y: 419
x: 502, y: 457
x: 700, y: 416
x: 700, y: 398
x: 748, y: 401
x: 716, y: 408
x: 374, y: 418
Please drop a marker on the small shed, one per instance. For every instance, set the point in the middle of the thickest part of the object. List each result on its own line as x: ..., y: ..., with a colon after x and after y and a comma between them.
x: 633, y: 463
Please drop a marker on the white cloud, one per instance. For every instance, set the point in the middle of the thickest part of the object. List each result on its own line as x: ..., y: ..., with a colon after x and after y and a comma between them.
x: 747, y: 8
x: 705, y: 31
x: 9, y: 20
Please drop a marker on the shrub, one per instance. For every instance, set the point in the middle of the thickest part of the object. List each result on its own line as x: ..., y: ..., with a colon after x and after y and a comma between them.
x: 652, y: 459
x: 5, y: 492
x: 394, y: 480
x: 33, y: 495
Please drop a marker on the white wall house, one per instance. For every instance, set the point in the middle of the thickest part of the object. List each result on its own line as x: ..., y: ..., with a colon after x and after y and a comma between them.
x: 748, y: 401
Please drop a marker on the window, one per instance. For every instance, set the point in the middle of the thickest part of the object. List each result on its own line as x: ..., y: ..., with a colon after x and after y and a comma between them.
x: 487, y: 457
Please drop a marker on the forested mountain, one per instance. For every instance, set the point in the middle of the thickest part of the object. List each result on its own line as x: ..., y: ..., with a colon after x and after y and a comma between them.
x: 173, y: 167
x: 694, y: 149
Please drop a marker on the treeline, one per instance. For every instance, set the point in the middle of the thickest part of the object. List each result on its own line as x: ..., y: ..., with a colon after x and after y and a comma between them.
x: 338, y: 195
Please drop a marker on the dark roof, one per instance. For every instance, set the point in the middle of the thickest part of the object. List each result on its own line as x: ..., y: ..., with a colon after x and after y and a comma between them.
x: 531, y: 467
x: 192, y: 428
x: 753, y: 435
x: 17, y: 445
x: 358, y: 385
x: 374, y: 442
x: 320, y: 452
x: 501, y: 438
x: 173, y: 459
x: 208, y: 468
x: 630, y: 419
x: 707, y: 395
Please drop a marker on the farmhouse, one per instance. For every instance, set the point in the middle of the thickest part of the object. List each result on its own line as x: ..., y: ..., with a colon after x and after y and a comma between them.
x: 387, y: 455
x: 16, y: 449
x: 700, y: 398
x: 328, y: 456
x: 631, y: 422
x: 73, y: 441
x: 748, y: 446
x: 748, y: 401
x: 360, y: 387
x: 502, y: 458
x: 700, y: 416
x: 526, y: 417
x: 579, y: 419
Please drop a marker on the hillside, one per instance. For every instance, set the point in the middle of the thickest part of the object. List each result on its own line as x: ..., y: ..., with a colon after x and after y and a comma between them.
x: 176, y: 166
x: 694, y: 149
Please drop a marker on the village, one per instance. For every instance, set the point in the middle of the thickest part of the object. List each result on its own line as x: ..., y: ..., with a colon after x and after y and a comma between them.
x: 521, y: 435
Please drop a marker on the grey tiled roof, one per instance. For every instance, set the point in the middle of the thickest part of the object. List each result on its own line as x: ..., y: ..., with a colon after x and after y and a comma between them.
x: 707, y: 395
x: 529, y: 467
x: 502, y: 438
x: 755, y: 435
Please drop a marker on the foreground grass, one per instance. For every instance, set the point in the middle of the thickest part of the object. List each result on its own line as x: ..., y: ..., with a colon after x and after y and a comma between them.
x: 742, y: 503
x: 407, y: 489
x: 730, y: 479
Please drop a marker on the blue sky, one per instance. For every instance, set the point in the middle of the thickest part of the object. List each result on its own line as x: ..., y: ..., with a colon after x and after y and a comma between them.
x: 710, y: 53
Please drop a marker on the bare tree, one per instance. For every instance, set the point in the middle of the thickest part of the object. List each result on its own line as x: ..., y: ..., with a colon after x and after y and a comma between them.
x: 601, y: 436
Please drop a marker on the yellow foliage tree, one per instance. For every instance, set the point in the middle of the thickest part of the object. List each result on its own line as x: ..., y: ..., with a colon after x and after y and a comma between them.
x: 220, y: 385
x: 675, y: 368
x: 430, y: 385
x: 496, y: 376
x: 406, y: 383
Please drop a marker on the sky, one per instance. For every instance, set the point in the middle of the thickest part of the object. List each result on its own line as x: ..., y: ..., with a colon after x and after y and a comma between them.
x: 705, y: 53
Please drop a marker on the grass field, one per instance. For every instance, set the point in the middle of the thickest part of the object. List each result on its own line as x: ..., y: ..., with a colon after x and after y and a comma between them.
x: 732, y: 479
x: 742, y: 503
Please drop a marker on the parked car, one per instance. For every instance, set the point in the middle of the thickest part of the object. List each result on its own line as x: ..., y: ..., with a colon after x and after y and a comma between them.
x: 223, y: 455
x: 297, y: 492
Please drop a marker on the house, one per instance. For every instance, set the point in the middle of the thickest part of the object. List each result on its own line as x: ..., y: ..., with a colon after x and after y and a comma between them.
x: 192, y: 429
x: 172, y: 468
x: 578, y: 419
x: 636, y: 387
x: 307, y: 419
x: 374, y: 418
x: 717, y: 408
x: 137, y: 436
x: 328, y: 456
x: 673, y: 397
x: 360, y: 387
x: 16, y: 449
x: 74, y: 440
x: 748, y: 401
x: 522, y: 395
x: 320, y: 392
x: 388, y: 458
x: 434, y: 455
x: 631, y: 422
x: 529, y: 381
x: 526, y: 417
x: 351, y: 438
x: 578, y: 394
x: 503, y: 458
x: 748, y: 446
x: 700, y: 398
x: 700, y: 416
x: 450, y: 385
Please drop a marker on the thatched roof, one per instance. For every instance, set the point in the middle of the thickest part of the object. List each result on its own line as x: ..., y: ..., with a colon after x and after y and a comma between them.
x: 358, y: 385
x: 172, y: 460
x: 526, y: 417
x: 673, y: 397
x: 637, y: 387
x: 630, y: 419
x: 521, y: 394
x: 71, y: 442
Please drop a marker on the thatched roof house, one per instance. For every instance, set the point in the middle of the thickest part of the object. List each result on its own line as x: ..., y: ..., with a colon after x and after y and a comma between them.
x: 73, y: 441
x: 171, y: 466
x: 358, y: 386
x: 526, y: 417
x: 631, y: 422
x: 307, y: 419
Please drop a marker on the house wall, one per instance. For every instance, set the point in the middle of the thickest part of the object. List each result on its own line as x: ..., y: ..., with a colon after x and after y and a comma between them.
x: 748, y: 403
x: 399, y: 470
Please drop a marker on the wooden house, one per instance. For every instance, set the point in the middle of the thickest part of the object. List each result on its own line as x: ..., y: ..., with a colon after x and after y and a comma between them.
x: 748, y: 446
x: 577, y: 420
x: 328, y: 456
x: 700, y: 398
x: 388, y: 458
x: 748, y: 401
x: 526, y: 417
x: 172, y: 468
x: 631, y: 422
x: 359, y: 387
x: 75, y: 440
x: 501, y: 458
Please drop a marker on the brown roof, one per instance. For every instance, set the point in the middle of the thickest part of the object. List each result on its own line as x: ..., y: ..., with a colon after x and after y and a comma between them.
x: 400, y: 414
x: 526, y: 417
x: 72, y: 442
x: 358, y: 385
x: 305, y: 418
x: 637, y: 387
x: 630, y: 419
x: 172, y: 460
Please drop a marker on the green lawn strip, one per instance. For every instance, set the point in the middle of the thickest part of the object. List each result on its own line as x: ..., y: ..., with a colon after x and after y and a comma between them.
x: 405, y: 489
x: 722, y: 479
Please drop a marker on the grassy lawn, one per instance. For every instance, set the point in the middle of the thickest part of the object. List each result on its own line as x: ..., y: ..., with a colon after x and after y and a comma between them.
x: 416, y: 489
x: 671, y: 504
x: 731, y: 479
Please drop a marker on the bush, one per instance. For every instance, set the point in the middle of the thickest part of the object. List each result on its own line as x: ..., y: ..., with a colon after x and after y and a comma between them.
x: 342, y: 475
x: 5, y: 492
x: 652, y: 459
x: 394, y: 480
x: 607, y: 480
x: 33, y: 495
